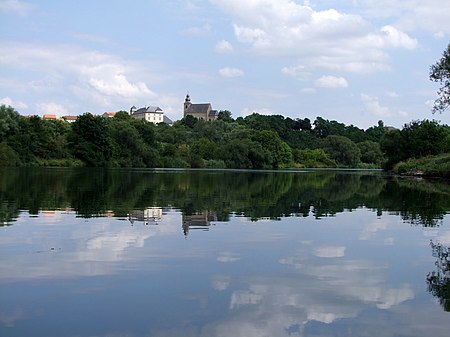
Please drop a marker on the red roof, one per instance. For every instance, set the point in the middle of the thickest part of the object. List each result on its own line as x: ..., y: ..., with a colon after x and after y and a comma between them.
x: 49, y: 116
x: 70, y: 118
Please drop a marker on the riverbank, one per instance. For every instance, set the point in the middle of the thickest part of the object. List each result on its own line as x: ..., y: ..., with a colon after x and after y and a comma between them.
x: 432, y: 166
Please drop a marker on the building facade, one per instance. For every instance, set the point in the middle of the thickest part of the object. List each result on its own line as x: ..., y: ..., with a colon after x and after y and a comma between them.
x: 152, y: 114
x: 201, y: 111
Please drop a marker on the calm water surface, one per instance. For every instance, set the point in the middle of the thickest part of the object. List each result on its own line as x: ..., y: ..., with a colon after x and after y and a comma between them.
x: 116, y: 253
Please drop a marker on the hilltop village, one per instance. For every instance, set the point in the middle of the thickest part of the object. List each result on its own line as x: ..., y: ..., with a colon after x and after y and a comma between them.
x: 154, y: 114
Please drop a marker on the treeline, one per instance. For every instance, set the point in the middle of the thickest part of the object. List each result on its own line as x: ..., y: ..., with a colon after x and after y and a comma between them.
x: 251, y: 142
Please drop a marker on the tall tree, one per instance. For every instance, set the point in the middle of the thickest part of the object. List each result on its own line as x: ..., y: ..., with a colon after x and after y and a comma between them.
x: 8, y: 121
x: 225, y: 115
x: 440, y: 72
x: 90, y: 141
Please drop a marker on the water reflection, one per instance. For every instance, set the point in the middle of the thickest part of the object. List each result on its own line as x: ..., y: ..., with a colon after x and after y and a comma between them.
x: 158, y: 253
x: 439, y: 280
x: 149, y: 215
x: 257, y: 195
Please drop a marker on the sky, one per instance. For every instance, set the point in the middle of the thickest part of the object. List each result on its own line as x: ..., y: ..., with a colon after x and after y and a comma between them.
x: 353, y: 61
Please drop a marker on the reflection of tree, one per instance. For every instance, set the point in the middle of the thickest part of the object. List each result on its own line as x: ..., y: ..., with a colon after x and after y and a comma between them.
x: 439, y: 280
x: 253, y: 194
x: 32, y: 190
x: 418, y: 202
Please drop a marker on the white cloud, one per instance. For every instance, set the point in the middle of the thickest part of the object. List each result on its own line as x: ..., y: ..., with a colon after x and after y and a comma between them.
x: 308, y: 90
x: 334, y: 40
x: 51, y: 108
x: 91, y: 38
x: 224, y: 47
x: 231, y: 72
x: 439, y: 35
x: 90, y: 75
x: 410, y: 15
x: 331, y: 82
x: 373, y: 105
x: 392, y: 94
x: 14, y: 104
x: 299, y: 72
x: 20, y: 7
x: 109, y: 80
x: 201, y: 31
x: 395, y: 38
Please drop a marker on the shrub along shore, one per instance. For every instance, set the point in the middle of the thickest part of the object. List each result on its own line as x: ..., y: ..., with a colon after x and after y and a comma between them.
x: 432, y: 167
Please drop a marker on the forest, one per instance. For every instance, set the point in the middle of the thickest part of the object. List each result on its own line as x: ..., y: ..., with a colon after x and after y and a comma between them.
x: 252, y: 142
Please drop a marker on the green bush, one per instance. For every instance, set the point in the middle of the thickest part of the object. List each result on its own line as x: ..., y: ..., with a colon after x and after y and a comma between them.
x: 8, y: 157
x: 313, y: 158
x: 436, y: 166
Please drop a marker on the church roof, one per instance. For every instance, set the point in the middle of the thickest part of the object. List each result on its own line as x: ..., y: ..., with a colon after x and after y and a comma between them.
x: 199, y: 108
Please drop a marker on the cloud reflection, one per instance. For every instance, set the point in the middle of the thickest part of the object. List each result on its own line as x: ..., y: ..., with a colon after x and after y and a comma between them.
x: 330, y: 251
x: 91, y: 247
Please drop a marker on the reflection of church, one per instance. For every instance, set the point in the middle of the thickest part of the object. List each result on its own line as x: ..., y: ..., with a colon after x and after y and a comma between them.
x: 152, y: 215
x: 149, y: 216
x: 198, y: 220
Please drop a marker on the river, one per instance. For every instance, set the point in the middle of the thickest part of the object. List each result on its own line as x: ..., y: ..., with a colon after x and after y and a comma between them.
x: 127, y: 253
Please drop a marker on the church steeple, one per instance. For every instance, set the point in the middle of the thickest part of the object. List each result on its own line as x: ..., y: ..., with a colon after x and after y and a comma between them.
x: 187, y: 103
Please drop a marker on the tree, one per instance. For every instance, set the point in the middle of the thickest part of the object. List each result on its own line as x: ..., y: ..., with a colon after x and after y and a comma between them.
x: 205, y: 148
x: 416, y: 139
x: 321, y: 127
x: 375, y: 133
x: 189, y: 121
x: 8, y: 121
x: 225, y: 116
x: 313, y: 158
x: 235, y: 153
x: 89, y: 140
x: 392, y: 146
x: 303, y: 124
x: 8, y: 157
x: 146, y: 130
x: 122, y: 115
x: 280, y: 152
x: 370, y: 152
x: 424, y: 138
x: 343, y: 150
x: 440, y: 72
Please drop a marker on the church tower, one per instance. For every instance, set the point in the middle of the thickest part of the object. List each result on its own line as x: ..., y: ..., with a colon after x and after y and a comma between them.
x: 187, y: 104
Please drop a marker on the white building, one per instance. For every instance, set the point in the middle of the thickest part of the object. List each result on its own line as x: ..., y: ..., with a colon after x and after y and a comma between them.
x: 153, y: 114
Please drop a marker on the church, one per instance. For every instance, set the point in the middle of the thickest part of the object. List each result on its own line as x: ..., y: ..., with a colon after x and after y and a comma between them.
x: 201, y: 111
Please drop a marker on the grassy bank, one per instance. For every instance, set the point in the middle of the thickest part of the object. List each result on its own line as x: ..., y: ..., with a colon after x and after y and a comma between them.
x: 433, y: 166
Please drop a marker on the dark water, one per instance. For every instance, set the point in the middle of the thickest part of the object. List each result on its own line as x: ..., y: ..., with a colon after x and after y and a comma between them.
x: 213, y: 253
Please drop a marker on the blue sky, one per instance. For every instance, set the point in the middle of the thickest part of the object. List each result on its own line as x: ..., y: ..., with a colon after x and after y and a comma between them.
x: 354, y: 61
